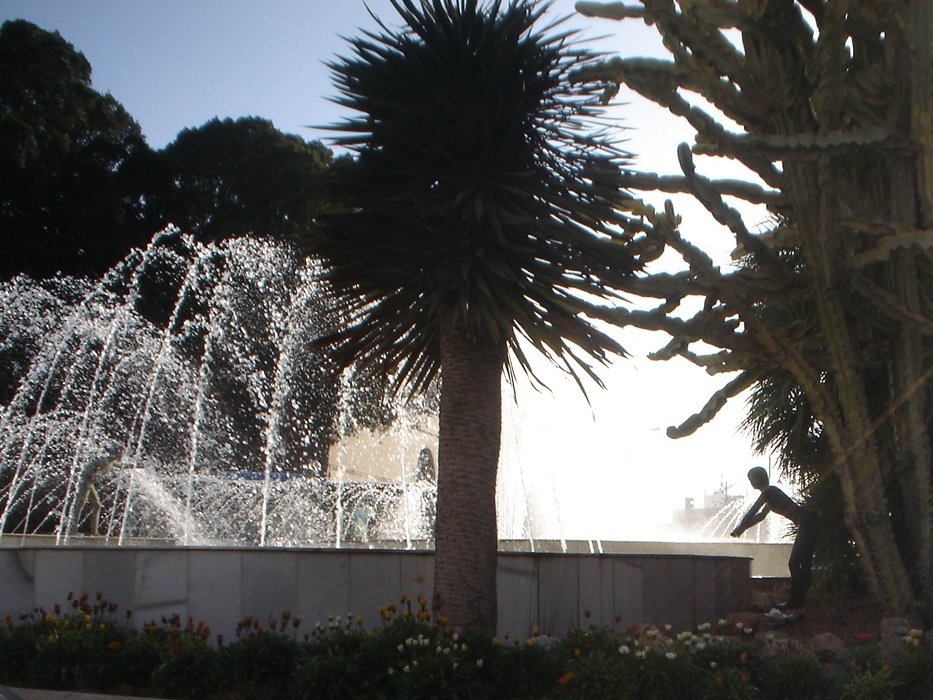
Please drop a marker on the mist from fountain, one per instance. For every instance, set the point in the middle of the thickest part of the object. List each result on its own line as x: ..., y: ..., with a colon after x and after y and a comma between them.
x: 192, y: 362
x: 727, y: 518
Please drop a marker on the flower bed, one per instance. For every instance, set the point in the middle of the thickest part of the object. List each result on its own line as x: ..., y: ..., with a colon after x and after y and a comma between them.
x: 87, y: 645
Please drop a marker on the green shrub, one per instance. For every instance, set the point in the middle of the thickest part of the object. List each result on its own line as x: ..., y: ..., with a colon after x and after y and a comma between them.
x: 794, y: 675
x: 74, y: 649
x: 189, y: 667
x: 263, y: 661
x: 870, y: 684
x: 519, y: 670
x: 913, y: 674
x: 335, y: 665
x: 17, y: 650
x: 413, y: 655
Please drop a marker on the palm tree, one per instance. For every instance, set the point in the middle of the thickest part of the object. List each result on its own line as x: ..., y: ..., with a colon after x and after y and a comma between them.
x: 479, y: 209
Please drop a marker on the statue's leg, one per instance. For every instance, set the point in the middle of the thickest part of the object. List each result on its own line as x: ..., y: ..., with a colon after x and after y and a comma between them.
x: 801, y: 562
x: 95, y: 510
x: 76, y: 513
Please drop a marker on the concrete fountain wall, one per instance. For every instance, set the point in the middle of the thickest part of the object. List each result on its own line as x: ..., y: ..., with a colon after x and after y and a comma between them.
x: 554, y: 591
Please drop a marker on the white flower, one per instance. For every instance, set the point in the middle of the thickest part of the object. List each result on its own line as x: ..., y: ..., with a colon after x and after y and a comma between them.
x: 446, y: 651
x: 712, y: 664
x: 722, y: 622
x: 415, y: 662
x: 479, y: 663
x: 454, y: 666
x: 701, y: 646
x: 624, y: 650
x: 391, y: 670
x: 747, y: 630
x: 705, y: 626
x: 651, y: 634
x: 438, y: 650
x: 641, y: 653
x: 668, y: 627
x: 455, y: 636
x: 670, y: 656
x: 406, y: 668
x: 401, y: 648
x: 770, y: 636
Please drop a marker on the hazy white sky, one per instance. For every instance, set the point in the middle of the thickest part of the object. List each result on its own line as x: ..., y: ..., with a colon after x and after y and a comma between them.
x: 600, y: 470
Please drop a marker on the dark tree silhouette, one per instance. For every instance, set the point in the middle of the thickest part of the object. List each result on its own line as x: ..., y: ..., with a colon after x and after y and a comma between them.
x: 232, y: 177
x: 66, y: 205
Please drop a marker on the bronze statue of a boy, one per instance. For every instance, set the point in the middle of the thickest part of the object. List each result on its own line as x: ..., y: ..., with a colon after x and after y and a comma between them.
x: 807, y: 521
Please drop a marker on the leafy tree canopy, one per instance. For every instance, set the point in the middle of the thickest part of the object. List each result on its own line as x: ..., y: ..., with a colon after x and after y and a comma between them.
x: 229, y: 177
x: 65, y: 205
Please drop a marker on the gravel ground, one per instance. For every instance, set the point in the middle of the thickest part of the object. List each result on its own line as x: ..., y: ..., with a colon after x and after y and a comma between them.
x: 849, y: 617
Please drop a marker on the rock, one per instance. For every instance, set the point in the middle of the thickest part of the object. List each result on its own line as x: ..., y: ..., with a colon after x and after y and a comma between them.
x: 894, y: 627
x: 789, y: 645
x: 894, y: 631
x: 774, y: 643
x: 828, y: 648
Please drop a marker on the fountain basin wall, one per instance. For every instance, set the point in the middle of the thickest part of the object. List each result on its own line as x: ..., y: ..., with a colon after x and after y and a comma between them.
x: 554, y: 591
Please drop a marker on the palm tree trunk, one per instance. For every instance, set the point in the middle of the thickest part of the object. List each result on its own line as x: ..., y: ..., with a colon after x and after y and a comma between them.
x: 468, y: 458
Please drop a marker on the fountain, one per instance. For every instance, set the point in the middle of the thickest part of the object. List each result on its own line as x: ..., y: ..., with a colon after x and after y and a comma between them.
x: 177, y: 412
x: 191, y: 366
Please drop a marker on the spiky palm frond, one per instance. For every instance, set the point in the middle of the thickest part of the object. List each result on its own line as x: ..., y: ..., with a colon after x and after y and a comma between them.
x: 479, y: 188
x: 780, y: 419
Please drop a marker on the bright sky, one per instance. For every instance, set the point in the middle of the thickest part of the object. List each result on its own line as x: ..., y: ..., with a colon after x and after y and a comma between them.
x: 606, y: 470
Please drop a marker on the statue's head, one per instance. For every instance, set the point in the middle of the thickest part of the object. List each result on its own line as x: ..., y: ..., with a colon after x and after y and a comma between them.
x: 108, y: 459
x: 758, y: 476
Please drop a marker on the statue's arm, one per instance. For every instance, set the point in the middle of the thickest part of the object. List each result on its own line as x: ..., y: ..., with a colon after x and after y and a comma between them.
x: 758, y: 512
